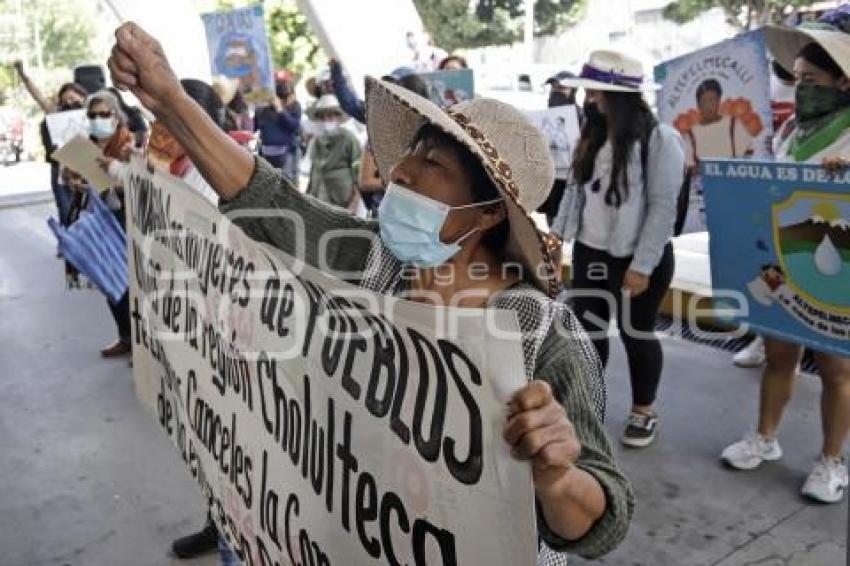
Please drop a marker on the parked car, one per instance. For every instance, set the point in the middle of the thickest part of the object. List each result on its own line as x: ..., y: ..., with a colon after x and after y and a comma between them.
x: 11, y: 135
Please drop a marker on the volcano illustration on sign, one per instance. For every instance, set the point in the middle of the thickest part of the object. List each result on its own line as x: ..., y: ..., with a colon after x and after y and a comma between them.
x: 812, y: 238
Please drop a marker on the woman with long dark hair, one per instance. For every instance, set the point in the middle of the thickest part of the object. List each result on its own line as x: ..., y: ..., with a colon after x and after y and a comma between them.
x: 621, y: 209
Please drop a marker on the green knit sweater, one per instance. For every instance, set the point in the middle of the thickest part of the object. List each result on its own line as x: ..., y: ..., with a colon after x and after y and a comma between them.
x: 339, y: 243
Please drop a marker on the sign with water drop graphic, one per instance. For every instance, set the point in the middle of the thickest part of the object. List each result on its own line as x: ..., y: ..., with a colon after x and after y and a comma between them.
x: 780, y: 249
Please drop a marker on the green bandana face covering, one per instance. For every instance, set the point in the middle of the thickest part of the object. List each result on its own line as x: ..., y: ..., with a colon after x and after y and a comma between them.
x: 816, y: 101
x: 823, y: 115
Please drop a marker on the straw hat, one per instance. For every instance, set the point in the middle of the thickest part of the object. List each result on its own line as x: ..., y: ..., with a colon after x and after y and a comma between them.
x: 831, y: 31
x: 514, y: 154
x: 325, y: 102
x: 612, y: 71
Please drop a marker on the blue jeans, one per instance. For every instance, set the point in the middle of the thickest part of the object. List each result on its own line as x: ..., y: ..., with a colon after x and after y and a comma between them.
x: 288, y: 164
x: 228, y: 557
x: 61, y: 194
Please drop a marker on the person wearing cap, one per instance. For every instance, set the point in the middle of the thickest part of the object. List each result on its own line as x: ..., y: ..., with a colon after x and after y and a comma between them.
x: 819, y: 54
x: 279, y: 125
x: 334, y: 156
x: 462, y: 183
x: 627, y: 172
x: 560, y: 95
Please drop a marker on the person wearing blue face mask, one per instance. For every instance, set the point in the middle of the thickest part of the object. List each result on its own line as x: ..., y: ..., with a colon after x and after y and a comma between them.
x: 463, y: 183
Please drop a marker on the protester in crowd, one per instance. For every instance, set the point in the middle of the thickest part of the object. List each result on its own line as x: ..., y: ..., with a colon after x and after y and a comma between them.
x: 453, y: 63
x: 334, y: 157
x: 628, y: 170
x: 716, y: 136
x: 279, y: 126
x: 70, y: 96
x: 560, y: 95
x: 136, y: 122
x: 819, y: 54
x: 782, y: 88
x: 352, y: 105
x: 462, y: 176
x: 108, y: 130
x: 370, y: 184
x: 78, y: 202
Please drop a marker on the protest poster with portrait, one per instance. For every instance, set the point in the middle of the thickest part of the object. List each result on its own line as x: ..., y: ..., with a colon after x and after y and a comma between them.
x: 780, y: 243
x: 326, y: 424
x: 239, y: 49
x: 446, y: 88
x: 718, y: 98
x: 561, y: 127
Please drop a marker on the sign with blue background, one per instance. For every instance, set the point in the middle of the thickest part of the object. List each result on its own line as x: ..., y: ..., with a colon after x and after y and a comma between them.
x: 780, y: 235
x: 239, y: 49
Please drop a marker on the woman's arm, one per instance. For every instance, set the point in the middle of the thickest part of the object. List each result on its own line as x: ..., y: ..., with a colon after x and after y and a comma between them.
x: 666, y: 168
x: 348, y: 100
x: 289, y: 117
x: 46, y: 106
x: 568, y: 363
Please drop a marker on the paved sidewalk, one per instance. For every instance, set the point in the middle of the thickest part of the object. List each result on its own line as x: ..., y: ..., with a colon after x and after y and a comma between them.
x: 88, y: 480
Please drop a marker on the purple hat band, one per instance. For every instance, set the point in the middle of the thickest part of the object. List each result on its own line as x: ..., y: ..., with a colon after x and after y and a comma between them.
x: 610, y: 77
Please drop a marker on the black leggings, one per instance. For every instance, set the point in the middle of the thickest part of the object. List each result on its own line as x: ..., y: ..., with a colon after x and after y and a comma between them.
x: 596, y: 289
x: 121, y: 313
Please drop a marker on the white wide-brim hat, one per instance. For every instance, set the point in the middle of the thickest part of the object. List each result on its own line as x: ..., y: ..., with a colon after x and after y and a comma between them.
x: 612, y: 71
x: 514, y: 154
x: 785, y: 43
x: 325, y: 102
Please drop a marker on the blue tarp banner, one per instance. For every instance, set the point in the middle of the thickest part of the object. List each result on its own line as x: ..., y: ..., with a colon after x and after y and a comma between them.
x: 780, y: 236
x: 97, y: 246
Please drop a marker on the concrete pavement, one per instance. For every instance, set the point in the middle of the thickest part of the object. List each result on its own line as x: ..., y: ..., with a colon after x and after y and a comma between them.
x: 87, y: 479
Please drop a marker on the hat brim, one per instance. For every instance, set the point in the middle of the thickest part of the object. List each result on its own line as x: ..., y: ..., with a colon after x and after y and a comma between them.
x: 590, y: 84
x: 393, y: 117
x: 786, y: 43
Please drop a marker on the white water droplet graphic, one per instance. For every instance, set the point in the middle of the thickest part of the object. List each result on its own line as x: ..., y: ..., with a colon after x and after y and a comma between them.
x: 827, y: 258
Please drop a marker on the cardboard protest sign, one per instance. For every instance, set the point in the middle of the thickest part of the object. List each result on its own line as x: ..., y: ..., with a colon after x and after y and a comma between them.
x: 446, y: 88
x: 80, y: 154
x: 560, y: 126
x: 239, y: 49
x: 719, y: 100
x: 351, y: 32
x: 780, y: 236
x: 66, y: 125
x: 327, y: 424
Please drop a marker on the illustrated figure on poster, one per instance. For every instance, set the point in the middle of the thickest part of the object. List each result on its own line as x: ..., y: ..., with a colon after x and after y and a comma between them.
x: 724, y: 129
x: 239, y: 57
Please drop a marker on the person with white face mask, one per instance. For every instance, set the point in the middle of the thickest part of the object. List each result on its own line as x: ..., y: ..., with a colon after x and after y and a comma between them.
x: 108, y: 130
x: 335, y: 155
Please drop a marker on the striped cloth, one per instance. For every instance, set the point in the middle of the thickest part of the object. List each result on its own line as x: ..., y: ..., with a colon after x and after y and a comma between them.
x: 97, y: 246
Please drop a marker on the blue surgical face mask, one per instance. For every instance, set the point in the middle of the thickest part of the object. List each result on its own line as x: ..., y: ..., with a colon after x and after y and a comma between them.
x: 410, y: 226
x: 102, y: 128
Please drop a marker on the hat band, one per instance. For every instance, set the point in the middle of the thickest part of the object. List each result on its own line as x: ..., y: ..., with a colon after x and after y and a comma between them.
x: 592, y: 73
x: 502, y: 174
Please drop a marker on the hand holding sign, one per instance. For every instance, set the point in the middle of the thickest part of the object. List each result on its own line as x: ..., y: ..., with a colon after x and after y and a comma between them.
x: 538, y: 430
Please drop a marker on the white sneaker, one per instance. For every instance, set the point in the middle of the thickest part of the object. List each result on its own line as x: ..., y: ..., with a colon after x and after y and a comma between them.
x: 752, y: 356
x: 748, y: 454
x: 828, y: 480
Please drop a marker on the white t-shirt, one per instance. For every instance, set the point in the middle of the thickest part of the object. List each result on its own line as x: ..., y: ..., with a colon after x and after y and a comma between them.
x: 720, y: 139
x: 597, y: 216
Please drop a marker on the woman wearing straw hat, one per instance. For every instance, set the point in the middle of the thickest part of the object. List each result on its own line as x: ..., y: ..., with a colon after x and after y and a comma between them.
x: 461, y: 185
x: 628, y: 171
x: 819, y: 54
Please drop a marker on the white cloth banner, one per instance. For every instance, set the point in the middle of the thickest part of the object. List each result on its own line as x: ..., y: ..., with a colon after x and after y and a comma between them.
x: 326, y: 424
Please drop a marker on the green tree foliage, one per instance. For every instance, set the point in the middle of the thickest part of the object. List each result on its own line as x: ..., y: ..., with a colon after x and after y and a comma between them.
x: 741, y: 14
x: 62, y: 31
x: 456, y: 24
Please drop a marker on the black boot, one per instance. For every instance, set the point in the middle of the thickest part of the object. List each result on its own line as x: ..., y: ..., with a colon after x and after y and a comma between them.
x: 198, y: 543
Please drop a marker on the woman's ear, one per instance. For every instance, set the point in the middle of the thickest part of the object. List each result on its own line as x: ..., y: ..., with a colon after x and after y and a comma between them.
x: 492, y: 215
